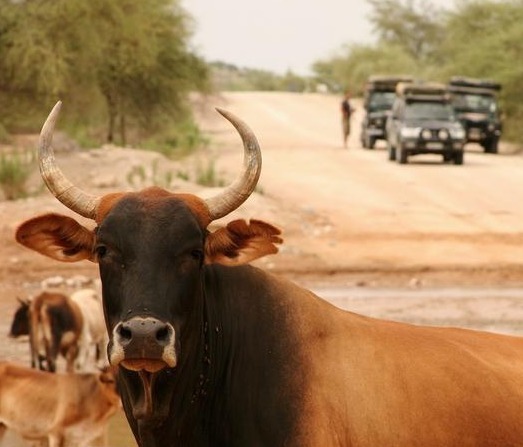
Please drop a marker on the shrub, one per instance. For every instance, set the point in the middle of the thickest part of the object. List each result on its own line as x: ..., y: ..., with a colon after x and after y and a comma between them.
x: 14, y: 172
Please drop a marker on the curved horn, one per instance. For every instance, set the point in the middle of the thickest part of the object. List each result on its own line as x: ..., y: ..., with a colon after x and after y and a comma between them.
x: 239, y: 191
x: 71, y: 196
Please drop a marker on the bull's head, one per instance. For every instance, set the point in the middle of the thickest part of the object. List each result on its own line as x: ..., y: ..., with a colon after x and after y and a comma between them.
x: 151, y: 247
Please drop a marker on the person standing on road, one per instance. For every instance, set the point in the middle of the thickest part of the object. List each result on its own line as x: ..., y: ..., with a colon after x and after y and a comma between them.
x: 346, y: 111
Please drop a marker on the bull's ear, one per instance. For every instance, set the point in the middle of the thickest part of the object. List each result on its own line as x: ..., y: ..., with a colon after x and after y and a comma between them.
x: 241, y: 242
x: 59, y: 237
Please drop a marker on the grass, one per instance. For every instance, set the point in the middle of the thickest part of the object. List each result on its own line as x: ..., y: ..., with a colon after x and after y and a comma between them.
x: 15, y: 169
x: 177, y: 142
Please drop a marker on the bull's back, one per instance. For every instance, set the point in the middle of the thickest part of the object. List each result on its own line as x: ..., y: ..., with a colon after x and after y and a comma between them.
x: 396, y: 384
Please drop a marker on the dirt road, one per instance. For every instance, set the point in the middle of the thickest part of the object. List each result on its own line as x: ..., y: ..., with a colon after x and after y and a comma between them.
x: 353, y: 210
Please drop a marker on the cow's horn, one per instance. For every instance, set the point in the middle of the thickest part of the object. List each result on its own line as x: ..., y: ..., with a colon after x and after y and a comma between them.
x: 67, y: 193
x: 238, y: 192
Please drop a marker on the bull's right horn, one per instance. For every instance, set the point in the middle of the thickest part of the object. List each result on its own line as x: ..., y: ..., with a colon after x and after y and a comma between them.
x: 70, y: 195
x: 238, y: 192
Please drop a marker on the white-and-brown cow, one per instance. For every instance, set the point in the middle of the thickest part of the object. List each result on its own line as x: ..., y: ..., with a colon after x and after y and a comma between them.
x: 53, y: 317
x: 55, y: 327
x: 213, y: 352
x: 66, y: 409
x: 93, y: 338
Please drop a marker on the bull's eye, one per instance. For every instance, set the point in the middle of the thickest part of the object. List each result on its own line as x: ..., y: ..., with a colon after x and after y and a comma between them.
x: 197, y: 255
x: 100, y: 250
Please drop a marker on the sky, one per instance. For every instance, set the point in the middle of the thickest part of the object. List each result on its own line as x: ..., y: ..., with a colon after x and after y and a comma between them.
x: 279, y: 35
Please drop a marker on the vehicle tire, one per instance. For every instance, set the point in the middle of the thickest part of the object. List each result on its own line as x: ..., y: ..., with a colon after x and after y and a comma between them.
x: 392, y: 151
x: 458, y: 158
x: 447, y: 157
x: 371, y: 141
x: 491, y: 145
x: 403, y: 158
x: 363, y: 141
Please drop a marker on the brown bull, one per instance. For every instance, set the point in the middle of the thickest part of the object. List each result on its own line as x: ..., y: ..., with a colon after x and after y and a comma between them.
x: 213, y: 352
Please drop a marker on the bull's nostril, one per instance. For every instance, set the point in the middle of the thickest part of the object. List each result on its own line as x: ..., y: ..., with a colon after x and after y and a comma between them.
x: 125, y: 333
x: 162, y: 335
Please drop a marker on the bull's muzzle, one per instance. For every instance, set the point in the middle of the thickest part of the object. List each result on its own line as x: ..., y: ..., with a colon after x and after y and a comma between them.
x: 143, y: 344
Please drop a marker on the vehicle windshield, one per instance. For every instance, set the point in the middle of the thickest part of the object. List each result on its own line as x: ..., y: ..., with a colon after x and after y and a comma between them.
x: 429, y: 111
x: 474, y: 102
x: 380, y: 100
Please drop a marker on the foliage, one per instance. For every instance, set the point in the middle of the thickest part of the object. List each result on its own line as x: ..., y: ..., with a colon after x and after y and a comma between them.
x: 228, y: 77
x: 14, y: 171
x: 350, y: 69
x: 121, y: 62
x: 497, y: 36
x: 4, y: 135
x: 416, y: 27
x: 207, y: 175
x: 177, y: 141
x: 479, y: 38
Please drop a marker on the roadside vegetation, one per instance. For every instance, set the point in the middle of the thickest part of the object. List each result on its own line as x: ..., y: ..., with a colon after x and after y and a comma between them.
x: 477, y: 38
x: 122, y: 68
x: 15, y: 169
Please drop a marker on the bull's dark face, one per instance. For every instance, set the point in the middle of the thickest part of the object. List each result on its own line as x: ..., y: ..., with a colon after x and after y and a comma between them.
x: 151, y: 247
x: 150, y: 256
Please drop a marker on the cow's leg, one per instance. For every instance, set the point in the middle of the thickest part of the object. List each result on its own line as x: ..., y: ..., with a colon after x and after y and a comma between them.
x: 51, y: 354
x: 70, y: 357
x: 50, y: 341
x: 83, y: 358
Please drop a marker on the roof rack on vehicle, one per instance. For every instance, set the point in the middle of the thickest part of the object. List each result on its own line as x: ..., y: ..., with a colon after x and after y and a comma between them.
x: 462, y: 81
x: 426, y: 89
x: 386, y: 82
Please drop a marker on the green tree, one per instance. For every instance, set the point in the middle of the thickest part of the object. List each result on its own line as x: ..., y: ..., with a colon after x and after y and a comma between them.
x: 146, y: 69
x: 351, y: 68
x: 125, y: 61
x: 415, y: 26
x: 485, y: 39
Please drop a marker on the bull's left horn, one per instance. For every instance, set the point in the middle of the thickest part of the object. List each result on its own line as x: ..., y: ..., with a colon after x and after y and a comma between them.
x: 67, y: 193
x: 239, y: 191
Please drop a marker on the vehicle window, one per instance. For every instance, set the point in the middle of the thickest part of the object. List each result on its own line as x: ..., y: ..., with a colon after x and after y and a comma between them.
x: 429, y: 111
x: 475, y: 102
x: 381, y: 100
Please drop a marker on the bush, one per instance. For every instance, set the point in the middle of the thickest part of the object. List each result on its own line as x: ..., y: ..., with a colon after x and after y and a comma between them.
x: 14, y: 172
x: 4, y: 135
x: 177, y: 142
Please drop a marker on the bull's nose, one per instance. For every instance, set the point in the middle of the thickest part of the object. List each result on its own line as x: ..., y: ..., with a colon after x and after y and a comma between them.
x: 144, y: 331
x: 140, y: 339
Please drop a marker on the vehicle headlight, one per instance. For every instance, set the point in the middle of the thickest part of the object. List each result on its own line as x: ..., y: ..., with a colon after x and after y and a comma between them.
x: 457, y: 133
x: 443, y: 134
x: 426, y: 134
x: 491, y: 127
x: 410, y: 132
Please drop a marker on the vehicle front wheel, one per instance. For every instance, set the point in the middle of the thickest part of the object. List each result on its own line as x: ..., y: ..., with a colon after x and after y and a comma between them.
x: 458, y: 158
x: 491, y: 145
x: 363, y: 141
x: 370, y: 142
